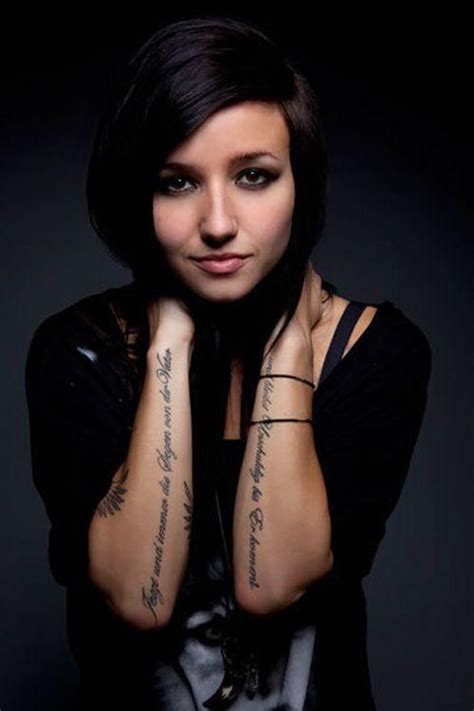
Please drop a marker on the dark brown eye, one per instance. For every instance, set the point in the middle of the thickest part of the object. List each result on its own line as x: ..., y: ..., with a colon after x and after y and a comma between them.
x: 251, y: 179
x: 171, y: 184
x: 263, y: 178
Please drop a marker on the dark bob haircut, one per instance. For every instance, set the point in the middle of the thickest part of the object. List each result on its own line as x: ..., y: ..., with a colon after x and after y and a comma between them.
x: 180, y: 76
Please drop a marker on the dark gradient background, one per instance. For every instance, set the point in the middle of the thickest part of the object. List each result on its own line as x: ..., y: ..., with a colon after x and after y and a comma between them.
x: 394, y: 92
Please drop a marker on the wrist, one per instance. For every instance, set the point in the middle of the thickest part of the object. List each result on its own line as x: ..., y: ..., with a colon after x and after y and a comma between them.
x: 285, y: 387
x: 289, y: 364
x: 178, y: 344
x: 291, y: 349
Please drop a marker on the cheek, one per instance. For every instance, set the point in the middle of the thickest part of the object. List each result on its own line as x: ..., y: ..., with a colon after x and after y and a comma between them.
x: 275, y: 219
x: 170, y: 226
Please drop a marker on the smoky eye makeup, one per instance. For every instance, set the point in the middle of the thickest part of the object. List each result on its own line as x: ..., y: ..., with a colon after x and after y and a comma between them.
x: 249, y: 179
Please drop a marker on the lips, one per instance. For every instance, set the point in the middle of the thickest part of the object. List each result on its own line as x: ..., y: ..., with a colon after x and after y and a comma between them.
x: 221, y: 266
x: 221, y: 256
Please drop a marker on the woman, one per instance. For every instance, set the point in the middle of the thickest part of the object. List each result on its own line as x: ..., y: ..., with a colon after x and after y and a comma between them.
x: 219, y: 443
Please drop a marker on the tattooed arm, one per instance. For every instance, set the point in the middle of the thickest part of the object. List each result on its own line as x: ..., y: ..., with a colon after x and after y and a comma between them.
x: 139, y: 535
x: 282, y: 528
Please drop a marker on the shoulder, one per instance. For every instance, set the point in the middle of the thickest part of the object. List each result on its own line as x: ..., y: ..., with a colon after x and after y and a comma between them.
x: 390, y: 359
x: 384, y: 339
x: 91, y: 319
x: 399, y: 340
x: 380, y: 387
x: 395, y: 362
x: 84, y: 336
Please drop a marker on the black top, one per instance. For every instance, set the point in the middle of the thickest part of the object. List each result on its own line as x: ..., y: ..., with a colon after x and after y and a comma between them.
x: 82, y: 395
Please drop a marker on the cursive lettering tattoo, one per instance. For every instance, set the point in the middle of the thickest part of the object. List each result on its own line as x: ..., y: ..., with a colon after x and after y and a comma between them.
x: 257, y: 473
x: 165, y: 459
x: 163, y: 373
x: 166, y: 456
x: 114, y: 497
x: 155, y: 596
x: 188, y: 507
x: 256, y: 523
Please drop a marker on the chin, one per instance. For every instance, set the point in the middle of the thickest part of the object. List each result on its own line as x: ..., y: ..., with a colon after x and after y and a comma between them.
x: 223, y: 293
x: 223, y: 299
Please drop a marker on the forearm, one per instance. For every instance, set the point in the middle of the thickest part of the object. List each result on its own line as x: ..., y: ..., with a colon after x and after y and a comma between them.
x: 138, y: 554
x: 282, y: 530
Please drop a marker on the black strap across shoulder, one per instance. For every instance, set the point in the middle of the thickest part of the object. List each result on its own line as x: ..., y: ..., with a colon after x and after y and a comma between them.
x: 341, y: 336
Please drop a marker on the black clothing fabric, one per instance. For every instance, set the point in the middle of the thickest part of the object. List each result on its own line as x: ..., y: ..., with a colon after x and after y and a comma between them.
x: 82, y: 394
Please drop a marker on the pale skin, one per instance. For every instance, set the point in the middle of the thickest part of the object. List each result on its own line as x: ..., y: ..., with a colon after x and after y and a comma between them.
x: 282, y: 525
x: 139, y: 535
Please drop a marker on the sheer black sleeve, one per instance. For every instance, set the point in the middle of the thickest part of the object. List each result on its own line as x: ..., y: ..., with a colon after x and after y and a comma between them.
x: 365, y: 434
x: 80, y: 421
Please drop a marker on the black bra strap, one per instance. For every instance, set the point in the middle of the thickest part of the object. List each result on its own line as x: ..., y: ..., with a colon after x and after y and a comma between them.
x: 341, y: 336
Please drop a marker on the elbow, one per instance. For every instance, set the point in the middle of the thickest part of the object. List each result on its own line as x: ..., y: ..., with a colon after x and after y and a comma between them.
x: 135, y: 608
x: 146, y: 619
x: 325, y: 566
x: 328, y: 564
x: 264, y: 601
x: 256, y: 603
x: 141, y: 615
x: 324, y: 569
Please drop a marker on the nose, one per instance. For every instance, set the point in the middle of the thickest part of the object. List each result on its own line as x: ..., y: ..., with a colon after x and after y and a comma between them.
x: 218, y: 221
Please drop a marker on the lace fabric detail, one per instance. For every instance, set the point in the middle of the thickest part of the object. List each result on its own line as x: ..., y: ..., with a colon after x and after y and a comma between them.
x: 129, y: 315
x: 129, y: 332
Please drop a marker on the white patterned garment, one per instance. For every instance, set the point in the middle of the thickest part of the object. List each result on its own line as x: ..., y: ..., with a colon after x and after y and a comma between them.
x: 184, y: 683
x: 199, y: 670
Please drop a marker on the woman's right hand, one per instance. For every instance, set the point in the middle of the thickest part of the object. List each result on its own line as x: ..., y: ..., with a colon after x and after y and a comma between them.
x: 171, y: 316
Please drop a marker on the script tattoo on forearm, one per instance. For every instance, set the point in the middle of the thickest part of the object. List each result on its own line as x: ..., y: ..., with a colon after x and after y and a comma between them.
x: 257, y: 472
x: 188, y: 507
x: 114, y: 497
x: 164, y: 458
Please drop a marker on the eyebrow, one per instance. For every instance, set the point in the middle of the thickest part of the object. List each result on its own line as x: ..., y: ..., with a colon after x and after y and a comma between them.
x: 245, y: 157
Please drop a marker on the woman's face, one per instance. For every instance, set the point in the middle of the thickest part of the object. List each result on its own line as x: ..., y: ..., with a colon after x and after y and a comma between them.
x: 211, y: 199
